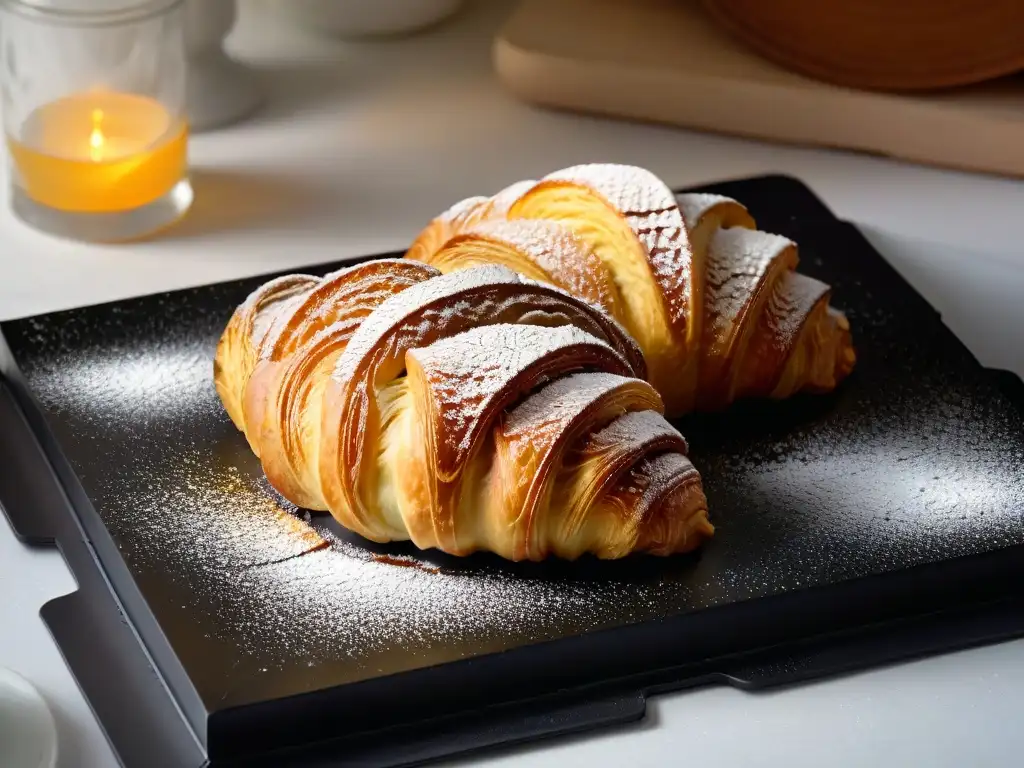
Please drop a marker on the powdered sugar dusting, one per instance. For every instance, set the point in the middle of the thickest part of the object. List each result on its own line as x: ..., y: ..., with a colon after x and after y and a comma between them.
x: 778, y: 329
x: 694, y: 205
x: 341, y: 600
x: 629, y: 189
x: 266, y: 306
x: 662, y: 222
x: 222, y: 532
x: 506, y: 198
x: 560, y: 402
x: 790, y: 305
x: 737, y: 261
x: 408, y: 307
x: 537, y: 431
x: 340, y: 295
x: 463, y: 215
x: 470, y: 375
x: 651, y: 210
x: 668, y: 248
x: 915, y: 461
x: 455, y: 215
x: 458, y: 300
x: 635, y: 432
x: 289, y: 586
x: 652, y: 478
x: 444, y: 226
x: 559, y: 252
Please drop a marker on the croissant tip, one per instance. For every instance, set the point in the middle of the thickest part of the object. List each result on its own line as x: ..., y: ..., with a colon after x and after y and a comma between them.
x: 849, y: 357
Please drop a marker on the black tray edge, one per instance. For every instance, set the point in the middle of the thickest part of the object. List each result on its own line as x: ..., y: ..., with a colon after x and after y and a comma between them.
x: 98, y: 637
x: 615, y: 702
x: 775, y: 178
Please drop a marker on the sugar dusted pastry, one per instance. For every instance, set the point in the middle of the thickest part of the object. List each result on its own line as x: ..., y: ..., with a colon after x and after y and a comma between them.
x: 477, y: 410
x: 715, y: 304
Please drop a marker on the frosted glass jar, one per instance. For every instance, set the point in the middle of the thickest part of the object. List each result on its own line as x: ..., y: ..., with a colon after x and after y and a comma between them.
x: 94, y: 115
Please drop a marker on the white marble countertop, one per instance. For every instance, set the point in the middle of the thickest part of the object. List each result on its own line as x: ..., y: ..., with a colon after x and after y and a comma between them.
x: 358, y: 146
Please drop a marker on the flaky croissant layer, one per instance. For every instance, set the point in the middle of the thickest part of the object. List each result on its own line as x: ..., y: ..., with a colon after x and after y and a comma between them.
x: 715, y: 304
x: 477, y: 410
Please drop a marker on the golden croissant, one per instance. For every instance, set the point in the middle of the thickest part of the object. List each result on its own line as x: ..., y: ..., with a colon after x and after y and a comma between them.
x: 715, y: 304
x: 477, y: 410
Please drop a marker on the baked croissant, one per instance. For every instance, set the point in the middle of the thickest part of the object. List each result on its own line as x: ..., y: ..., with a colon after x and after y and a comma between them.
x: 715, y: 304
x: 471, y: 411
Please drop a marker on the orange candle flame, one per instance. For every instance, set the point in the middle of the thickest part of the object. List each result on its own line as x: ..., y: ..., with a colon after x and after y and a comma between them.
x: 96, y: 139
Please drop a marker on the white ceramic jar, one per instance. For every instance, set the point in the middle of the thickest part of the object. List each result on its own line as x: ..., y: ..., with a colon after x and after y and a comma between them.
x: 220, y: 90
x: 366, y: 18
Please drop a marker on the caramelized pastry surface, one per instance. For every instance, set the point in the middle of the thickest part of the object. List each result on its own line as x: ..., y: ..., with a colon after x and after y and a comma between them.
x: 714, y: 303
x: 474, y: 410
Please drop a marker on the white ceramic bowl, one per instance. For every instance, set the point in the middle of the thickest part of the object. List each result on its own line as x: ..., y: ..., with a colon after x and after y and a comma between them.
x: 366, y: 18
x: 28, y: 734
x: 219, y: 89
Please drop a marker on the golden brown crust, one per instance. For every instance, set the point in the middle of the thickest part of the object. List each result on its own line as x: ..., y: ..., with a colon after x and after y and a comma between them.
x: 281, y: 402
x: 649, y: 208
x: 670, y: 512
x: 420, y: 316
x: 240, y: 345
x: 344, y: 296
x: 693, y: 280
x: 451, y: 410
x: 538, y: 249
x: 463, y: 214
x: 468, y: 379
x: 743, y: 266
x: 533, y: 439
x: 794, y: 300
x: 462, y: 385
x: 601, y: 460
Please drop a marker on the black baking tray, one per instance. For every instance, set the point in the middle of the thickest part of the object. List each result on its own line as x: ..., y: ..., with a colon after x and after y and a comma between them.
x: 880, y: 521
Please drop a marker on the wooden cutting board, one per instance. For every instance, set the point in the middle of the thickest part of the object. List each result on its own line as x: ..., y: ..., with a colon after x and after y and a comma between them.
x: 665, y: 61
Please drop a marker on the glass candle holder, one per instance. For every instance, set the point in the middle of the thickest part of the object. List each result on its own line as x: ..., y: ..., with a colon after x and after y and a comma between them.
x: 93, y: 111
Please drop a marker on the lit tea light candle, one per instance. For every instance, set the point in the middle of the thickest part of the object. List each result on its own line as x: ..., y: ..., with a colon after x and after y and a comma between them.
x: 100, y: 152
x: 96, y: 163
x: 96, y: 139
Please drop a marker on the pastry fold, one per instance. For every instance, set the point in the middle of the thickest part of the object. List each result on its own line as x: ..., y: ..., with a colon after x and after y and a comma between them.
x: 715, y: 304
x: 475, y: 410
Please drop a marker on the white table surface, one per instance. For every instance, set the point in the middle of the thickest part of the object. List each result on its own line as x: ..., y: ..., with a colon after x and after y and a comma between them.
x: 358, y: 146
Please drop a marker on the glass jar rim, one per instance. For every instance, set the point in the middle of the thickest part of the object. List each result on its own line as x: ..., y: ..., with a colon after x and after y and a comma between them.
x: 126, y: 12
